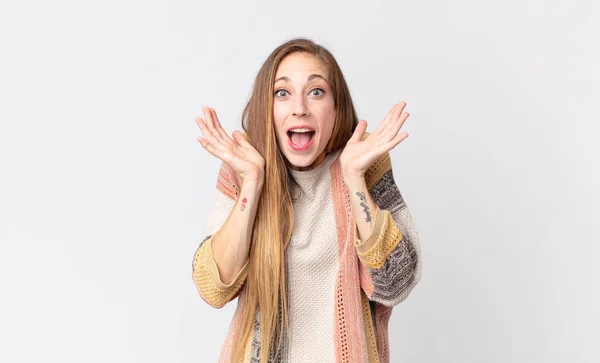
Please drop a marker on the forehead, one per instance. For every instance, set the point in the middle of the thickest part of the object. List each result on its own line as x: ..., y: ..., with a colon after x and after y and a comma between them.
x: 300, y: 64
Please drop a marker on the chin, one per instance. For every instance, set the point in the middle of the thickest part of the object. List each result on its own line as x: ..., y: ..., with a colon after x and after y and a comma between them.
x: 301, y: 161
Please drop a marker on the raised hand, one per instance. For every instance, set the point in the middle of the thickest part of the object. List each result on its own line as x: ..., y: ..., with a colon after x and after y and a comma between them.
x: 359, y: 155
x: 237, y: 152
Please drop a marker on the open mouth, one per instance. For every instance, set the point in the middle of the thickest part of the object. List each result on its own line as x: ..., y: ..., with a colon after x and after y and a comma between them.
x: 301, y: 138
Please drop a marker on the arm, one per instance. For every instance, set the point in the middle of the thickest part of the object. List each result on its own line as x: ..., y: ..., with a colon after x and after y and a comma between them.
x: 220, y: 264
x: 388, y: 246
x: 363, y: 205
x: 386, y: 241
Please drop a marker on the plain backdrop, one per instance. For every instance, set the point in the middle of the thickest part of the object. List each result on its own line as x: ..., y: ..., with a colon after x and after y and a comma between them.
x: 105, y: 191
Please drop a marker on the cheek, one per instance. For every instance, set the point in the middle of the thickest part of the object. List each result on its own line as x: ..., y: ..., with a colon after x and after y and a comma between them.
x: 328, y: 119
x: 278, y: 117
x: 328, y: 128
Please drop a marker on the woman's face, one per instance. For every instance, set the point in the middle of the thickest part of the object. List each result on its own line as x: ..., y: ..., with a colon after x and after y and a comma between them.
x: 303, y: 110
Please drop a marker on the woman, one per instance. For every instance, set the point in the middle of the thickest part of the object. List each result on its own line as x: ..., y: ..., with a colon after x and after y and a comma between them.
x: 308, y: 227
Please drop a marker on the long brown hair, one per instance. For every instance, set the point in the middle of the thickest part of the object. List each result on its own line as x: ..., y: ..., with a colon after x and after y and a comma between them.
x: 272, y: 230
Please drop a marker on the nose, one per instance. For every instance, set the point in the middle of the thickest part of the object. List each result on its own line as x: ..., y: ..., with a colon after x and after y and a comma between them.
x: 300, y: 108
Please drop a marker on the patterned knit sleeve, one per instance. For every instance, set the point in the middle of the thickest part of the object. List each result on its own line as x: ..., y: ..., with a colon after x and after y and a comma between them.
x: 204, y: 268
x: 390, y: 258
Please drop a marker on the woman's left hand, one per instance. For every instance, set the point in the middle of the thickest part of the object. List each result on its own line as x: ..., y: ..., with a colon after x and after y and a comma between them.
x: 359, y: 155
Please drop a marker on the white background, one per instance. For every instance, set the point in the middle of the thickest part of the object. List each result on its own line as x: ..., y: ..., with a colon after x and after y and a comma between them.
x: 104, y: 190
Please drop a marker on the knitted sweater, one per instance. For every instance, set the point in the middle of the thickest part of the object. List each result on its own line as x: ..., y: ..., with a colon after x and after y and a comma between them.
x: 341, y: 290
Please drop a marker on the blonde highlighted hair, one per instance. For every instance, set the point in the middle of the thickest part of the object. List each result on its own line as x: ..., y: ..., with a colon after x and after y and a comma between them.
x: 265, y: 286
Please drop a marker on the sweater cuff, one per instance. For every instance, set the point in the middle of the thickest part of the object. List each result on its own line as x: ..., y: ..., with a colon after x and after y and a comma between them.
x: 207, y: 277
x: 384, y: 238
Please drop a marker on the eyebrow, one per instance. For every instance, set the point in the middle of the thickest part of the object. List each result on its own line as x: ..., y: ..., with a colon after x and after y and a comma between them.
x: 310, y: 78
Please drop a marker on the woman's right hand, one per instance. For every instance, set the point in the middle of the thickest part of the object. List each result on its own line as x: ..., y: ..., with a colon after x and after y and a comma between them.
x: 242, y: 157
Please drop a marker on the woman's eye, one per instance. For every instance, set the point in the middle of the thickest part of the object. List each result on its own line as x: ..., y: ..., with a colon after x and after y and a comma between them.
x: 280, y: 93
x: 319, y: 92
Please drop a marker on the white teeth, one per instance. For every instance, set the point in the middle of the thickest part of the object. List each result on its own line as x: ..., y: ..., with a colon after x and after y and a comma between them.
x: 301, y: 130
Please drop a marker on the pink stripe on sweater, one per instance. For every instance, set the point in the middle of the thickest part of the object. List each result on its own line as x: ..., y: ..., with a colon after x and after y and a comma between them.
x: 349, y: 325
x: 228, y: 348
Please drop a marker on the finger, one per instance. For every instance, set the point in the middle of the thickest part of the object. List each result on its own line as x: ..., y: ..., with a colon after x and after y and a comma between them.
x: 394, y: 127
x: 393, y: 143
x: 390, y: 117
x: 208, y: 146
x: 359, y: 131
x: 240, y: 139
x: 207, y: 134
x: 219, y: 154
x: 210, y: 123
x: 218, y: 125
x: 396, y: 114
x: 385, y: 121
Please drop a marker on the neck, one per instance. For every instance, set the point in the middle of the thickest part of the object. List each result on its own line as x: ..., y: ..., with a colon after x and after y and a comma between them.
x: 318, y: 161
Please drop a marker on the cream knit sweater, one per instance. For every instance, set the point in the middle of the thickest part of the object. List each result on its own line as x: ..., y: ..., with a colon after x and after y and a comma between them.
x: 341, y: 290
x: 311, y: 261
